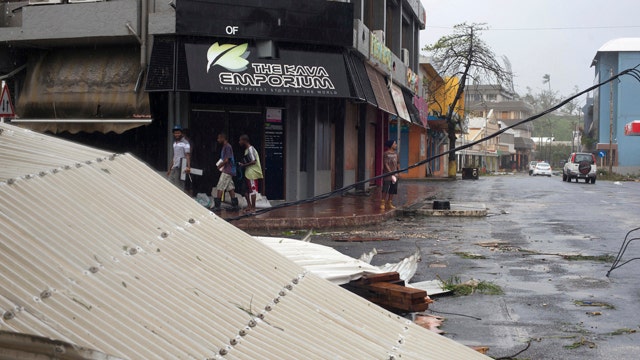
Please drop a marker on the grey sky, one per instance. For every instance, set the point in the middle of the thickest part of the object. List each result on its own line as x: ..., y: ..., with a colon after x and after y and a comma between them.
x: 566, y: 54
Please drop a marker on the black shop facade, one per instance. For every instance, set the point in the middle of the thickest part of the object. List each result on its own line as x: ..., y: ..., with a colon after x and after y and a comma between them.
x: 275, y: 72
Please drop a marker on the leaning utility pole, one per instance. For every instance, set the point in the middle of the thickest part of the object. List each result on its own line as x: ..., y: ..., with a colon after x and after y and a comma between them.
x: 611, y: 123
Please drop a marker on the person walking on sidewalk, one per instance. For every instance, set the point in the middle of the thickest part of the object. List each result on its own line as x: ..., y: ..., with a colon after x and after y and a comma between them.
x: 226, y: 165
x: 181, y: 150
x: 389, y: 183
x: 252, y: 172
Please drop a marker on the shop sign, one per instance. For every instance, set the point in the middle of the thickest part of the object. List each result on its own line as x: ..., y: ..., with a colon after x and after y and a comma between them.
x: 380, y: 52
x: 412, y: 80
x: 233, y: 68
x: 632, y: 128
x: 423, y: 108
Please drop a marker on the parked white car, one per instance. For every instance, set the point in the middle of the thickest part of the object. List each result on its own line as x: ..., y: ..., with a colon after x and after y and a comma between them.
x: 580, y: 166
x: 542, y: 169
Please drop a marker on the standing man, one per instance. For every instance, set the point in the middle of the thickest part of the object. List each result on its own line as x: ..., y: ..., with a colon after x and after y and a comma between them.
x: 252, y: 171
x: 181, y: 150
x: 226, y: 165
x: 390, y: 183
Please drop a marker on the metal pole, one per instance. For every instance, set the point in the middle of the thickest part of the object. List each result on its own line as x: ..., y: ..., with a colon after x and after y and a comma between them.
x: 611, y: 123
x: 1, y: 118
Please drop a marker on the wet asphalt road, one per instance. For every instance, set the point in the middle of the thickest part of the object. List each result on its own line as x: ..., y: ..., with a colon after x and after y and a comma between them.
x: 534, y: 221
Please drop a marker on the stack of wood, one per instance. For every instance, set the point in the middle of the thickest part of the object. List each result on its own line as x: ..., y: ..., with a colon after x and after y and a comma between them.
x: 390, y: 292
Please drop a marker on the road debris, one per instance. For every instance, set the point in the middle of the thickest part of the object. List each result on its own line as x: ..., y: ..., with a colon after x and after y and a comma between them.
x: 471, y: 256
x: 406, y: 267
x: 430, y: 322
x: 481, y: 349
x: 594, y: 304
x: 367, y: 257
x: 432, y: 287
x: 388, y: 291
x: 582, y: 342
x: 358, y: 238
x: 469, y: 287
x: 623, y: 331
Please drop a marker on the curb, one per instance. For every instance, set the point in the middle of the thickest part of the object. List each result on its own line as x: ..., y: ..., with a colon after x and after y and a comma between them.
x: 314, y: 222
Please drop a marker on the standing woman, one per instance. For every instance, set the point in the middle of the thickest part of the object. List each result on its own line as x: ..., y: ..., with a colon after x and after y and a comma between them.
x: 390, y: 183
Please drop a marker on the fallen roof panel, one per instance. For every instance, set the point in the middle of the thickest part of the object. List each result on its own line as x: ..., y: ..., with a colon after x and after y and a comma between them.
x: 108, y: 255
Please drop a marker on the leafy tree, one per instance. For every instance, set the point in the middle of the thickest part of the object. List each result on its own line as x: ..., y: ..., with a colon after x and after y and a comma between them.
x: 464, y: 55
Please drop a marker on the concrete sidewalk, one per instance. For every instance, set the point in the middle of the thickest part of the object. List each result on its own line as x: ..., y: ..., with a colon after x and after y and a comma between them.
x: 338, y: 212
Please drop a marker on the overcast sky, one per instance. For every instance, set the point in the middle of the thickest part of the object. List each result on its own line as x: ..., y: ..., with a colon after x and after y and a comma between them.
x: 540, y: 36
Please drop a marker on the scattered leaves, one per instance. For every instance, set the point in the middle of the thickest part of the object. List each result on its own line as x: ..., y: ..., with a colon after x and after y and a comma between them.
x: 594, y: 304
x: 466, y: 255
x: 600, y: 258
x: 459, y: 288
x: 622, y: 331
x: 582, y: 342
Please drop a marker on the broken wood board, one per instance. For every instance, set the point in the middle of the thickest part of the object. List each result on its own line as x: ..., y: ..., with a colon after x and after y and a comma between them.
x: 388, y: 291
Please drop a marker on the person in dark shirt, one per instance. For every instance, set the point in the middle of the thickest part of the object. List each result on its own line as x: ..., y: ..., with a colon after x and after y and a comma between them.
x: 226, y: 165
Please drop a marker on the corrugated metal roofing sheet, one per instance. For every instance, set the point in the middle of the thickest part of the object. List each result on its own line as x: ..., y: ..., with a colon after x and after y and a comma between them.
x: 109, y: 256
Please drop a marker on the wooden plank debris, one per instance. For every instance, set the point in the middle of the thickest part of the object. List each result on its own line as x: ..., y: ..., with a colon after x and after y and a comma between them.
x: 390, y: 292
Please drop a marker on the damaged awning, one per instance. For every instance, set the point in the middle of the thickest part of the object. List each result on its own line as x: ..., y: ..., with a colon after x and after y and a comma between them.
x: 381, y: 91
x: 75, y: 126
x: 414, y: 112
x: 84, y: 89
x: 398, y: 100
x: 361, y: 85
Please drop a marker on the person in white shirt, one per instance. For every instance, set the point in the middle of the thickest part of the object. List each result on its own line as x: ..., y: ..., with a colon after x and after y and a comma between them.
x: 181, y: 150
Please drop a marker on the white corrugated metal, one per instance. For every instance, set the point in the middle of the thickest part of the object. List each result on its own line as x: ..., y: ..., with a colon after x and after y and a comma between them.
x: 323, y: 261
x: 109, y: 256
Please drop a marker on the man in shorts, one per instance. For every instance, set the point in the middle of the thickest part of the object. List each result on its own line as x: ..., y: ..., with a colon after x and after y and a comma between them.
x: 252, y: 172
x: 226, y: 165
x: 181, y: 150
x: 389, y: 183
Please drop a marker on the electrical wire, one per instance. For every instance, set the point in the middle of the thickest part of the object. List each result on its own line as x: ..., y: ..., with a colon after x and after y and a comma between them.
x: 634, y: 72
x: 549, y: 28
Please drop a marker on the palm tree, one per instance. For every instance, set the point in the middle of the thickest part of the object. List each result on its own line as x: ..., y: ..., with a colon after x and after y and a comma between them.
x: 546, y: 79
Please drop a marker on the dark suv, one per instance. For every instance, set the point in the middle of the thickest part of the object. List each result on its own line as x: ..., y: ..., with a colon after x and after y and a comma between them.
x: 580, y: 166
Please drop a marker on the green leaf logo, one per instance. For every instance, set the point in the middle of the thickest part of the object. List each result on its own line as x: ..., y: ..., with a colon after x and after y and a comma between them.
x: 229, y: 56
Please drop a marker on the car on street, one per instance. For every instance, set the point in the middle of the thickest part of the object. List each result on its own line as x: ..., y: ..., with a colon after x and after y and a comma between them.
x: 580, y: 166
x: 532, y: 165
x: 542, y: 169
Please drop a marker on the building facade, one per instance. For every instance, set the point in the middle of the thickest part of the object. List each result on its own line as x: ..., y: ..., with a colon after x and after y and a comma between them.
x: 610, y: 115
x: 317, y: 85
x: 503, y: 105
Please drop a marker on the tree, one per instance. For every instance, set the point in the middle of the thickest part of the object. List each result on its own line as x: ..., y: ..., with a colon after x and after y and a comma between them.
x: 464, y: 55
x: 546, y: 79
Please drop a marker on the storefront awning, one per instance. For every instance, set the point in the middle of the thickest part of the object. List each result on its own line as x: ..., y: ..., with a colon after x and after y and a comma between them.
x: 381, y: 91
x: 84, y: 89
x: 360, y: 83
x: 437, y: 123
x: 228, y: 66
x: 75, y: 126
